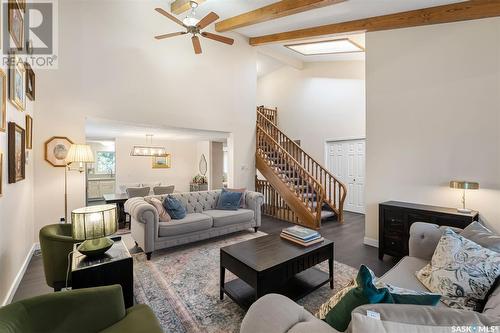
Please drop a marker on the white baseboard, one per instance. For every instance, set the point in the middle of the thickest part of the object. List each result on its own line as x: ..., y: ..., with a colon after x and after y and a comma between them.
x: 370, y: 242
x: 20, y: 274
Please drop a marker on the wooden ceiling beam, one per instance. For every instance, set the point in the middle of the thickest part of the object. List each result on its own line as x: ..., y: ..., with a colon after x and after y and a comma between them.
x: 273, y: 11
x: 180, y: 6
x: 462, y: 11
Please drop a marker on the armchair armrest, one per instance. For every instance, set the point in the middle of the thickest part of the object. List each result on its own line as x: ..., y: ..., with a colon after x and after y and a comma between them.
x: 279, y: 314
x: 144, y: 222
x: 82, y: 310
x: 254, y: 201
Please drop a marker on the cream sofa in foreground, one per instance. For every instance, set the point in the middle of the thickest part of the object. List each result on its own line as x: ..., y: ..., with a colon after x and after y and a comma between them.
x: 277, y: 314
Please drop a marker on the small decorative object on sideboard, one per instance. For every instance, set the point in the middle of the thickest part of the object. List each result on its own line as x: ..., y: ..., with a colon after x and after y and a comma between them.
x: 395, y: 219
x: 199, y: 183
x: 464, y: 185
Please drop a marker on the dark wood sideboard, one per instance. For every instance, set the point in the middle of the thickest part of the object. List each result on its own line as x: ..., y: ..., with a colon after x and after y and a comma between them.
x: 395, y: 219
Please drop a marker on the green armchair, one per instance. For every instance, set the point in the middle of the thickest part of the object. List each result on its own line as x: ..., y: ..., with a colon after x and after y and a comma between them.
x: 90, y: 310
x: 56, y: 243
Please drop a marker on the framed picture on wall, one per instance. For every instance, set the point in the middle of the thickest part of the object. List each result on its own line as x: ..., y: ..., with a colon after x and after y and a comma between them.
x: 3, y: 105
x: 17, y: 153
x: 162, y: 162
x: 16, y: 23
x: 56, y: 150
x: 17, y: 83
x: 29, y: 132
x: 30, y: 82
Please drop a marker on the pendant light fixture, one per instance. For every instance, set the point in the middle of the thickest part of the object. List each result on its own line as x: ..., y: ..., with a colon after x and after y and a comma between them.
x: 148, y: 149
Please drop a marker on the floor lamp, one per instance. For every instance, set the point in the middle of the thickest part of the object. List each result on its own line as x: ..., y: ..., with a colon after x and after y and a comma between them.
x: 80, y: 154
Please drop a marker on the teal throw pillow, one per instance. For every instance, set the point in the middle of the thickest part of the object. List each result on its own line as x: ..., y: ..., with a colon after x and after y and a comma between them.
x: 368, y: 291
x: 174, y: 208
x: 339, y: 316
x: 229, y: 200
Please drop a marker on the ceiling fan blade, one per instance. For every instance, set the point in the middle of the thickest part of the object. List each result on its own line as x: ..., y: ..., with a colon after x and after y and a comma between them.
x: 210, y: 18
x: 170, y: 16
x: 196, y: 44
x: 218, y: 38
x: 173, y: 34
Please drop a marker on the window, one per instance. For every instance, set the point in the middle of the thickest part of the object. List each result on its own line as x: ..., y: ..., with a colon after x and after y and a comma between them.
x: 105, y: 162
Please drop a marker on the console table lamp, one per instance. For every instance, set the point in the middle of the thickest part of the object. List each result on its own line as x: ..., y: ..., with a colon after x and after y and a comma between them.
x: 464, y: 185
x: 92, y: 225
x: 80, y: 154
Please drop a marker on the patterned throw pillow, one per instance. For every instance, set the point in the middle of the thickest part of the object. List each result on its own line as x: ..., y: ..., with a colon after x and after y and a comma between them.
x: 162, y: 213
x: 460, y: 270
x: 328, y: 305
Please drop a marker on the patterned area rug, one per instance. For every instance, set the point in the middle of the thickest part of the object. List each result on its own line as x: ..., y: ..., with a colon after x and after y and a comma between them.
x: 181, y: 285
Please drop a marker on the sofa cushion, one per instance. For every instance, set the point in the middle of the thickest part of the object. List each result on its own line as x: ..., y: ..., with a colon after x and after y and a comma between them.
x: 403, y: 274
x: 481, y: 235
x: 418, y: 318
x: 139, y: 318
x: 492, y: 306
x: 190, y: 223
x: 226, y: 217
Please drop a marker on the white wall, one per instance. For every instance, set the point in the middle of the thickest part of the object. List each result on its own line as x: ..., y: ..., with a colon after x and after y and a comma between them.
x: 111, y: 67
x: 16, y: 209
x: 433, y: 114
x: 325, y: 100
x: 135, y: 169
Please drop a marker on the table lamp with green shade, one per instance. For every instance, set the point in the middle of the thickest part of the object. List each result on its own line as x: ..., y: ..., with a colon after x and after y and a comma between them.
x: 464, y: 185
x: 92, y: 225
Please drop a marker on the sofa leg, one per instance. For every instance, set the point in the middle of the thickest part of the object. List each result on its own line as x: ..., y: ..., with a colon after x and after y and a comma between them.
x: 256, y: 229
x: 148, y: 255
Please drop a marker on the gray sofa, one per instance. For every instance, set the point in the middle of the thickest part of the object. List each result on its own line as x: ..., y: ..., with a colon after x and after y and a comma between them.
x: 277, y: 314
x: 202, y: 221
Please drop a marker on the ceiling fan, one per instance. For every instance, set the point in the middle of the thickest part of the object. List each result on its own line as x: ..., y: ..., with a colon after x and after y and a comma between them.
x: 194, y: 26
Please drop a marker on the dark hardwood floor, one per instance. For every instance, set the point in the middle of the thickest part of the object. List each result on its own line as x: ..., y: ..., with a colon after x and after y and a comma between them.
x: 348, y: 238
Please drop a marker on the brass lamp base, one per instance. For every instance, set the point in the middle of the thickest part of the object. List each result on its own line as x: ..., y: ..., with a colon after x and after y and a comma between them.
x: 95, y: 247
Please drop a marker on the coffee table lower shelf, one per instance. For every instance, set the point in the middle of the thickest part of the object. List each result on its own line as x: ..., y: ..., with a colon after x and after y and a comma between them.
x: 299, y: 286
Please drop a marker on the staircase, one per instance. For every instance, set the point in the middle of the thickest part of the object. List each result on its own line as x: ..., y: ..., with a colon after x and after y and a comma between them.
x: 297, y: 188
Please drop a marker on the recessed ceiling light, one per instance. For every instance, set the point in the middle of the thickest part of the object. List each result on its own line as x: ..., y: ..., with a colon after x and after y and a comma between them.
x: 344, y: 45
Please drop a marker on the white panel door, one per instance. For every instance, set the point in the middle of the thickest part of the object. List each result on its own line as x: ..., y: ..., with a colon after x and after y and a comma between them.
x: 346, y: 161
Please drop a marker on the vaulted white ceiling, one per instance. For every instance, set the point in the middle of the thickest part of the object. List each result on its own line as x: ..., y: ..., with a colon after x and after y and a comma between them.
x: 345, y: 11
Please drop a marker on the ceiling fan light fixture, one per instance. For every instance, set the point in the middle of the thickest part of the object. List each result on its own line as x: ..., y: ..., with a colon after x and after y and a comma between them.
x: 190, y: 20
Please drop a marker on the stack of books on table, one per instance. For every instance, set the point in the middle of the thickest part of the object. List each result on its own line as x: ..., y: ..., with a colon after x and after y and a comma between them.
x: 301, y: 235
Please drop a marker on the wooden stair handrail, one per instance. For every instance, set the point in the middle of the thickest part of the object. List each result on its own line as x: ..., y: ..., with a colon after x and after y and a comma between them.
x: 301, y: 171
x: 313, y: 166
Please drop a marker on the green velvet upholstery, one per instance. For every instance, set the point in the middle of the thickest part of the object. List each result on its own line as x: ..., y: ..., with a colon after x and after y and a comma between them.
x: 78, y: 311
x: 56, y: 242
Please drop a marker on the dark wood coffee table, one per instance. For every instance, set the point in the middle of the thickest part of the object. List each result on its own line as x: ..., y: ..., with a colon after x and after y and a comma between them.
x: 270, y: 264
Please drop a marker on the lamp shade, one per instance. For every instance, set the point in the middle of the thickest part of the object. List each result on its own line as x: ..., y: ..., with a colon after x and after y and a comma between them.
x: 464, y: 185
x: 94, y: 222
x: 80, y: 153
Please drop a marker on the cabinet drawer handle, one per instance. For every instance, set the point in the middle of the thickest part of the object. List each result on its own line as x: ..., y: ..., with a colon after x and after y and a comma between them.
x: 393, y: 220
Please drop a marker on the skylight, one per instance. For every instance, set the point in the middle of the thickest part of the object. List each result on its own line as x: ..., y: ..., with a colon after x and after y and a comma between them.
x: 344, y: 45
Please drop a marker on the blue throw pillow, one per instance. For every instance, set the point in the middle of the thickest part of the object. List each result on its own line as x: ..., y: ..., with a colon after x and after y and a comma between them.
x: 174, y: 208
x: 229, y: 200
